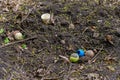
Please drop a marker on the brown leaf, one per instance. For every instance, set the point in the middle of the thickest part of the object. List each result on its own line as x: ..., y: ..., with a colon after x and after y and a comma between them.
x: 110, y: 58
x: 16, y: 8
x: 111, y: 68
x: 109, y: 38
x: 93, y: 28
x: 10, y: 36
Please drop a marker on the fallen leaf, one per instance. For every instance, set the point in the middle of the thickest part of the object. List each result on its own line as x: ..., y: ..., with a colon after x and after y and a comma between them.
x: 6, y: 9
x: 16, y: 8
x: 10, y: 36
x: 93, y: 28
x: 111, y: 68
x: 109, y: 38
x: 93, y: 76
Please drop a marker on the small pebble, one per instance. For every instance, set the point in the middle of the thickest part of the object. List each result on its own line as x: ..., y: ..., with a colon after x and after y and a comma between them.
x: 62, y: 41
x: 18, y: 35
x: 71, y: 26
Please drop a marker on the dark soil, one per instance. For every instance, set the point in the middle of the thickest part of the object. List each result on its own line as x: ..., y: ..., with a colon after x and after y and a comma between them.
x: 92, y: 20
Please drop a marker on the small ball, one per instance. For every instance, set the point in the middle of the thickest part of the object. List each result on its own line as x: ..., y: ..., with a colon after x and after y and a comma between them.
x: 81, y: 52
x: 74, y: 57
x: 18, y: 35
x: 89, y: 53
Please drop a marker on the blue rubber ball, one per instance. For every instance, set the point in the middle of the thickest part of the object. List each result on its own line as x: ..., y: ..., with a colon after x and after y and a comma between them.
x: 81, y: 52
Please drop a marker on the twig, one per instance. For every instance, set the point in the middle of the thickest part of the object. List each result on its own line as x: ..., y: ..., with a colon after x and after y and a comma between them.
x: 23, y: 19
x: 85, y: 30
x: 27, y: 15
x: 12, y: 43
x: 64, y: 58
x: 90, y: 61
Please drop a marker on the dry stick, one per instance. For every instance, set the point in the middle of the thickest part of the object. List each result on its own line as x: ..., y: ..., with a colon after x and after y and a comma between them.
x: 64, y: 58
x: 90, y: 61
x: 25, y: 19
x: 12, y: 43
x: 85, y: 30
x: 27, y: 15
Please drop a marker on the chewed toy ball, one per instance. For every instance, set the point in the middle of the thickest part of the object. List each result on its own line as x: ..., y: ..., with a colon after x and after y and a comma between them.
x: 89, y: 53
x: 81, y: 52
x: 74, y: 57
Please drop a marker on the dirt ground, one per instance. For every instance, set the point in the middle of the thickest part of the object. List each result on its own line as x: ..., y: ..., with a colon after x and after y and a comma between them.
x: 92, y: 21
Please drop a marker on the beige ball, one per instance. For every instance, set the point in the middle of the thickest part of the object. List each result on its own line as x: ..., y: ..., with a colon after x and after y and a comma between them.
x: 89, y: 53
x: 18, y: 35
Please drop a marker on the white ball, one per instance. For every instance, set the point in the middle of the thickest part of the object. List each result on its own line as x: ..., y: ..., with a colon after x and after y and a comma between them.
x: 18, y: 36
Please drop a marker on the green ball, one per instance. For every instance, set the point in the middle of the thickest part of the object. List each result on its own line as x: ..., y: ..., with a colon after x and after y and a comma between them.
x: 74, y: 57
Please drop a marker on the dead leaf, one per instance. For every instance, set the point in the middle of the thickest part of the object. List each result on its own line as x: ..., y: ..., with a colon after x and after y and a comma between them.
x: 10, y: 36
x: 62, y: 41
x: 2, y: 18
x: 109, y: 38
x: 93, y: 28
x: 93, y: 76
x: 111, y: 68
x: 109, y: 58
x: 16, y: 8
x: 6, y: 9
x: 70, y: 47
